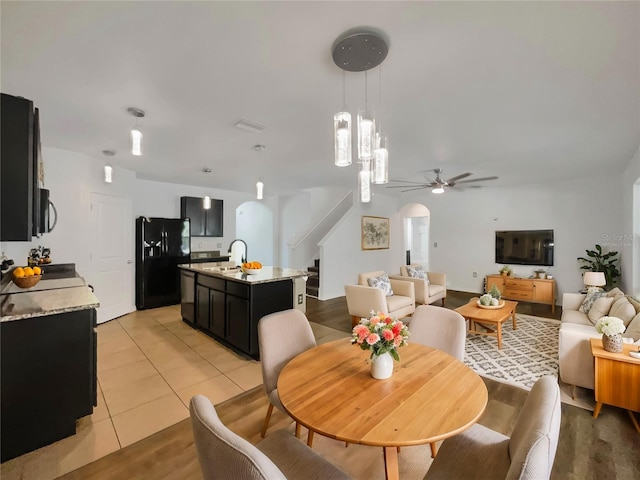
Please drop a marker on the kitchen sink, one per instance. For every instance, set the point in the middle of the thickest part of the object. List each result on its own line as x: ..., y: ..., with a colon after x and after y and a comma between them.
x: 221, y: 269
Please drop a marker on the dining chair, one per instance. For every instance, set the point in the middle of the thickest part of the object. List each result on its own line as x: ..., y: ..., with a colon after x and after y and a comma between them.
x: 223, y: 455
x: 281, y: 336
x: 528, y: 454
x: 439, y: 328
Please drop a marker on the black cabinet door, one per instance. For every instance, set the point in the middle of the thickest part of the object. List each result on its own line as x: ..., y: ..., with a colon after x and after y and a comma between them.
x: 217, y: 306
x: 17, y: 166
x: 202, y: 307
x: 191, y: 208
x: 214, y: 219
x: 238, y: 323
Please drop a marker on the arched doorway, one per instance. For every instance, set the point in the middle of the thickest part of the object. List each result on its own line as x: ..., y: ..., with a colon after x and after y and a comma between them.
x: 415, y: 221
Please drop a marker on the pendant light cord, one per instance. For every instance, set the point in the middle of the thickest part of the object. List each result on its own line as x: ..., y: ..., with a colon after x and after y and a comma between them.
x: 344, y: 88
x: 365, y: 90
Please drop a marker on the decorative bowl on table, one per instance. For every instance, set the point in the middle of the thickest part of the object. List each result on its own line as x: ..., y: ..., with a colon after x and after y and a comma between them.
x: 251, y: 268
x: 491, y: 307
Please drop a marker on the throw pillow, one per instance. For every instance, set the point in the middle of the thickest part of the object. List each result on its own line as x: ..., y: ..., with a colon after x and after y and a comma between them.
x: 633, y: 330
x: 635, y: 302
x: 622, y: 309
x: 599, y: 309
x: 593, y: 293
x: 382, y: 282
x: 614, y: 292
x: 417, y: 272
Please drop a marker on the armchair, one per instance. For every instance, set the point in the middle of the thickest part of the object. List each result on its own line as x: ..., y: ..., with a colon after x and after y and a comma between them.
x: 362, y: 298
x: 426, y: 293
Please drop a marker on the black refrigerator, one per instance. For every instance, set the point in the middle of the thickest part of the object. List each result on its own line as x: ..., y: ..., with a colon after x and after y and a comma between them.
x: 161, y: 245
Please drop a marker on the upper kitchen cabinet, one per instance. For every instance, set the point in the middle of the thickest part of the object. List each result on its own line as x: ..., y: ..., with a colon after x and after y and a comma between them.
x: 19, y: 169
x: 204, y: 222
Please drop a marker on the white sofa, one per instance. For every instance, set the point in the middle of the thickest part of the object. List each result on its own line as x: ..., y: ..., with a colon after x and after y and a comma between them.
x: 574, y: 346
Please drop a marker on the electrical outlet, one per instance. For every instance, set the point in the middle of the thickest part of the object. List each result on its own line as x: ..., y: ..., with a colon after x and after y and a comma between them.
x: 200, y: 245
x: 299, y: 299
x: 475, y: 274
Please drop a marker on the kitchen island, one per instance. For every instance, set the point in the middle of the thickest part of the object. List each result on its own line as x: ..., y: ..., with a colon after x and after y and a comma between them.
x: 48, y: 361
x: 227, y: 304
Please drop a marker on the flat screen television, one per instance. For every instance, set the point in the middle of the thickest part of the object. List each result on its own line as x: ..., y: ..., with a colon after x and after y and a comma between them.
x: 525, y: 247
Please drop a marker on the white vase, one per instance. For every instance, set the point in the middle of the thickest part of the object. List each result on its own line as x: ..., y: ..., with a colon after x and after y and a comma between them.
x: 382, y: 366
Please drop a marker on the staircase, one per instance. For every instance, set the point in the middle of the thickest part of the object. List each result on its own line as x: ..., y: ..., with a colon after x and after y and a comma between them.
x: 313, y: 282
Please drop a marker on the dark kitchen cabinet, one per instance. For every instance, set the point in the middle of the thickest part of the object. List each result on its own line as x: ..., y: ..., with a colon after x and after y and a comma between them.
x: 48, y: 378
x: 20, y: 197
x: 204, y: 222
x: 229, y: 310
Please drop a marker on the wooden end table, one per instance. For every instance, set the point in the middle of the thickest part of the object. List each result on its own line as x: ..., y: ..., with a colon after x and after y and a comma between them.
x: 472, y: 312
x: 617, y: 379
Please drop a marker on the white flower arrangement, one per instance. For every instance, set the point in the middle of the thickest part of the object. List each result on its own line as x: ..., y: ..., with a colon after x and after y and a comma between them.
x: 610, y: 326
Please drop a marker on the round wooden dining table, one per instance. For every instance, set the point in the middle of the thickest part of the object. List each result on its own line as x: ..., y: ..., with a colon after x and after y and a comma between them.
x: 430, y: 396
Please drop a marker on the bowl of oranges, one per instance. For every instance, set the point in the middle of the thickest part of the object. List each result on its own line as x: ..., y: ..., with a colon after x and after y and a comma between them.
x: 26, y: 277
x: 251, y: 268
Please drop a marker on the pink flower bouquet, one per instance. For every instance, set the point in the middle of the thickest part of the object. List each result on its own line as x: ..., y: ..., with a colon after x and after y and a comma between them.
x: 380, y: 334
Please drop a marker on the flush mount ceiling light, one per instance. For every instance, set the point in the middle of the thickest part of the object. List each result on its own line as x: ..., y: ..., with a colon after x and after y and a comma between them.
x: 360, y: 50
x: 136, y: 134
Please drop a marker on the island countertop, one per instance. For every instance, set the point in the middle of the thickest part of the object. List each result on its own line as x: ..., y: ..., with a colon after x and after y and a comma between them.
x: 265, y: 275
x: 52, y: 297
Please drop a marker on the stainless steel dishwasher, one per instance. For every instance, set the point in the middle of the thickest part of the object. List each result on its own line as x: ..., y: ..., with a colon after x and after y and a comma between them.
x: 187, y: 296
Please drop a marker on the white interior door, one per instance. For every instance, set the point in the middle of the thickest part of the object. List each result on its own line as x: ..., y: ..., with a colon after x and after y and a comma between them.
x: 112, y: 254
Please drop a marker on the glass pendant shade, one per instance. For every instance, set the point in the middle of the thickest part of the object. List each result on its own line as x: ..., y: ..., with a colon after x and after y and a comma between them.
x: 380, y: 164
x: 342, y: 135
x: 259, y: 190
x: 206, y: 202
x: 136, y: 141
x: 366, y: 134
x: 364, y: 182
x: 108, y: 173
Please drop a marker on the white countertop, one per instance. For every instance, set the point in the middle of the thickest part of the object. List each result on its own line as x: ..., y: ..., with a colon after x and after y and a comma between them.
x: 265, y: 275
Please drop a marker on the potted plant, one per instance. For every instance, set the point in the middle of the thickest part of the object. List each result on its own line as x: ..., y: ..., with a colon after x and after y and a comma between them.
x: 505, y: 270
x: 602, y: 262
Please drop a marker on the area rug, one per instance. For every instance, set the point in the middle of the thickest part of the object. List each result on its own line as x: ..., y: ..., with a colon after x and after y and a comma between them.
x: 528, y: 352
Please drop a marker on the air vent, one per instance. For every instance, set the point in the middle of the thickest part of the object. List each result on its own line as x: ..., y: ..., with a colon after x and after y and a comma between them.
x: 248, y: 126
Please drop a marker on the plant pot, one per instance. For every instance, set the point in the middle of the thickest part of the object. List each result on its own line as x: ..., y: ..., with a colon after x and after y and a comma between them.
x: 612, y: 343
x: 382, y: 366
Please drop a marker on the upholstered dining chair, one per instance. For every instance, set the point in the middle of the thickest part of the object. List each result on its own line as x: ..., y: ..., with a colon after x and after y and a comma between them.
x: 281, y: 336
x: 439, y: 328
x: 528, y: 454
x: 223, y: 455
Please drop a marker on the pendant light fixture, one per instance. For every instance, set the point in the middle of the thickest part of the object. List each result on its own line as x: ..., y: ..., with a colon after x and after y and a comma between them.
x: 342, y: 131
x: 108, y: 174
x: 206, y: 201
x: 380, y: 164
x: 136, y: 133
x: 259, y: 189
x: 360, y: 50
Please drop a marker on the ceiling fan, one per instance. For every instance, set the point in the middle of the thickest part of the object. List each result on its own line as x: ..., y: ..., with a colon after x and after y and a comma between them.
x: 438, y: 185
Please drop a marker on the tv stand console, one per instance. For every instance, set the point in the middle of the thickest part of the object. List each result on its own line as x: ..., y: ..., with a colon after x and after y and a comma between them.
x: 535, y: 290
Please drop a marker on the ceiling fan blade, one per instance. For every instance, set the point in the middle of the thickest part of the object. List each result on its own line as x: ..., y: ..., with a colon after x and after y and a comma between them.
x: 483, y: 179
x: 408, y: 181
x: 415, y: 188
x: 453, y: 180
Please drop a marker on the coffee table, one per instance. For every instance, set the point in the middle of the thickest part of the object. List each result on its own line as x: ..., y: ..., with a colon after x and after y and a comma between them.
x: 490, y: 319
x: 430, y: 396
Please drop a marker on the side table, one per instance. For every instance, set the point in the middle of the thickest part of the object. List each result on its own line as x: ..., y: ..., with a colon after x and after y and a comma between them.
x: 617, y: 379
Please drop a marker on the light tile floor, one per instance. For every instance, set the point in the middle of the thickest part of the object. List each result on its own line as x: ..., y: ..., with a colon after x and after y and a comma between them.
x: 150, y: 364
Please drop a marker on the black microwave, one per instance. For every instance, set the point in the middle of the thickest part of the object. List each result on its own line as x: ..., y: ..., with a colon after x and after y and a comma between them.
x: 46, y: 209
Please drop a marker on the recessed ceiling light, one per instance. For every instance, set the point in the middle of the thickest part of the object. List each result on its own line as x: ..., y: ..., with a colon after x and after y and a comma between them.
x: 259, y: 148
x: 109, y: 153
x: 206, y: 170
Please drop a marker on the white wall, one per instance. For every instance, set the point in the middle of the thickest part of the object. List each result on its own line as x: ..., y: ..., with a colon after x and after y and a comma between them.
x: 341, y: 255
x: 463, y: 225
x: 628, y: 241
x: 255, y: 225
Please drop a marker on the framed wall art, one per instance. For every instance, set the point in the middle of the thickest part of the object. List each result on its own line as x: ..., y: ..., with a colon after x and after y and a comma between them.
x: 375, y: 233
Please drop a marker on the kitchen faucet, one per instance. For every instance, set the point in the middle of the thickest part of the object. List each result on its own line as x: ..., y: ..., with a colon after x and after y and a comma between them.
x: 243, y: 259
